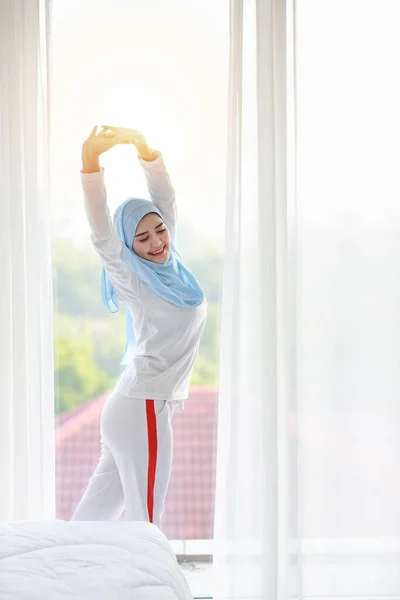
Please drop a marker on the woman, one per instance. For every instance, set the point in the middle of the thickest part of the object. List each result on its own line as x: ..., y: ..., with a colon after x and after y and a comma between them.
x: 166, y: 314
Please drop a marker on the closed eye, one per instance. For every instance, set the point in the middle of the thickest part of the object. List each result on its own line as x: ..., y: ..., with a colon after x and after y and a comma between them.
x: 145, y: 239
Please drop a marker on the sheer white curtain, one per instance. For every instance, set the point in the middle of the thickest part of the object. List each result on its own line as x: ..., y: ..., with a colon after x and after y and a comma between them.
x: 308, y: 493
x: 255, y: 378
x: 26, y: 340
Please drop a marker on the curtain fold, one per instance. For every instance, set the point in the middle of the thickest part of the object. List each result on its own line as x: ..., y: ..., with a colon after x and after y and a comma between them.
x: 251, y: 516
x: 26, y: 338
x: 308, y: 451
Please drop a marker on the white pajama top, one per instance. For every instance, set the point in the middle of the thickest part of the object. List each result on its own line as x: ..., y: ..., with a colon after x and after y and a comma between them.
x: 167, y: 336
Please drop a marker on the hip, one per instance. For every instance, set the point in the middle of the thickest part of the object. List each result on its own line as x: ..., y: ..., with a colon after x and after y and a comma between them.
x: 120, y: 405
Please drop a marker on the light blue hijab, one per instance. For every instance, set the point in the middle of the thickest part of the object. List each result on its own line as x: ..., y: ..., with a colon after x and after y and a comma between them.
x: 170, y: 280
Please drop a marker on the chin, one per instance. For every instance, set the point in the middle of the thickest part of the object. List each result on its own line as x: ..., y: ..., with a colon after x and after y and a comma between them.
x: 164, y: 258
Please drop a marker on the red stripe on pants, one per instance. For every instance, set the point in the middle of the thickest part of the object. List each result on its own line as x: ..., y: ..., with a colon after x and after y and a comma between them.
x: 152, y: 440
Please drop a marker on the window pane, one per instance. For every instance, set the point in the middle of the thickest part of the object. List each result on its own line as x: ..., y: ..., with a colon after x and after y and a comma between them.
x: 161, y: 68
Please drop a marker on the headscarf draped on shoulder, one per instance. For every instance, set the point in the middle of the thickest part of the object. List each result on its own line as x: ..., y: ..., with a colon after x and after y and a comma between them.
x: 170, y: 280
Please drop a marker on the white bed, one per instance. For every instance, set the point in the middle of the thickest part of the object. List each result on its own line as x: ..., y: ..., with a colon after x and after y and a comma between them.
x: 58, y: 560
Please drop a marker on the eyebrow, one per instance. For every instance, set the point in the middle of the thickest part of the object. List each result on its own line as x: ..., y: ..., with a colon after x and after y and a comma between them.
x: 146, y: 232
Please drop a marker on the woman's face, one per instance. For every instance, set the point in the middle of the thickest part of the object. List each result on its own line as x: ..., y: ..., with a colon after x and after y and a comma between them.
x: 152, y: 241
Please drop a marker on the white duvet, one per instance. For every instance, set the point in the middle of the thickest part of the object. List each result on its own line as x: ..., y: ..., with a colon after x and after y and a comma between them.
x: 57, y: 560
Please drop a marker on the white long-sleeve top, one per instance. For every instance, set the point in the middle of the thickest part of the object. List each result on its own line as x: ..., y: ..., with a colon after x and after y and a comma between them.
x: 167, y: 336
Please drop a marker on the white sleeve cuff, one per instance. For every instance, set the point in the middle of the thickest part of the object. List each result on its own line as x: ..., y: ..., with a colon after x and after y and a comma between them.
x: 153, y: 163
x: 97, y: 176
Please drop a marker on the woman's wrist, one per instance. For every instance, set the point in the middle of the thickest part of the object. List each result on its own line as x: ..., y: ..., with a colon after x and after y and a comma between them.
x: 90, y: 161
x: 146, y: 153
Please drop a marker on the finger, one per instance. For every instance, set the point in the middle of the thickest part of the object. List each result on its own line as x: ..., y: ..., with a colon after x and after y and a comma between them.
x: 122, y: 130
x: 93, y: 132
x: 132, y: 131
x: 109, y: 134
x: 120, y: 136
x: 110, y: 127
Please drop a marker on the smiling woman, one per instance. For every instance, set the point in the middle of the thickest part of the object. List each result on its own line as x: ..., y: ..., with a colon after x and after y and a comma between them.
x: 166, y: 314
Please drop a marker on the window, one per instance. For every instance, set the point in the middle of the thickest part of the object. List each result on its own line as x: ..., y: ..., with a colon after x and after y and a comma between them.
x: 161, y: 68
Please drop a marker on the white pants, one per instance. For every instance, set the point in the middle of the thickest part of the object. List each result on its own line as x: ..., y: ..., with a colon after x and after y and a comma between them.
x: 135, y: 463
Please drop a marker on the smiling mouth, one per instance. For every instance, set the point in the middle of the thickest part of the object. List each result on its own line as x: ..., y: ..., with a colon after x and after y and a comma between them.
x: 160, y: 253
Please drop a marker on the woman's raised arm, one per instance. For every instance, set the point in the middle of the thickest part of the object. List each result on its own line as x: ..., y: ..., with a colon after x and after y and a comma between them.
x: 159, y: 184
x: 103, y: 235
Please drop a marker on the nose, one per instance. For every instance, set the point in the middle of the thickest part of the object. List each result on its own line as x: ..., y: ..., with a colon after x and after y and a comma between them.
x: 156, y: 245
